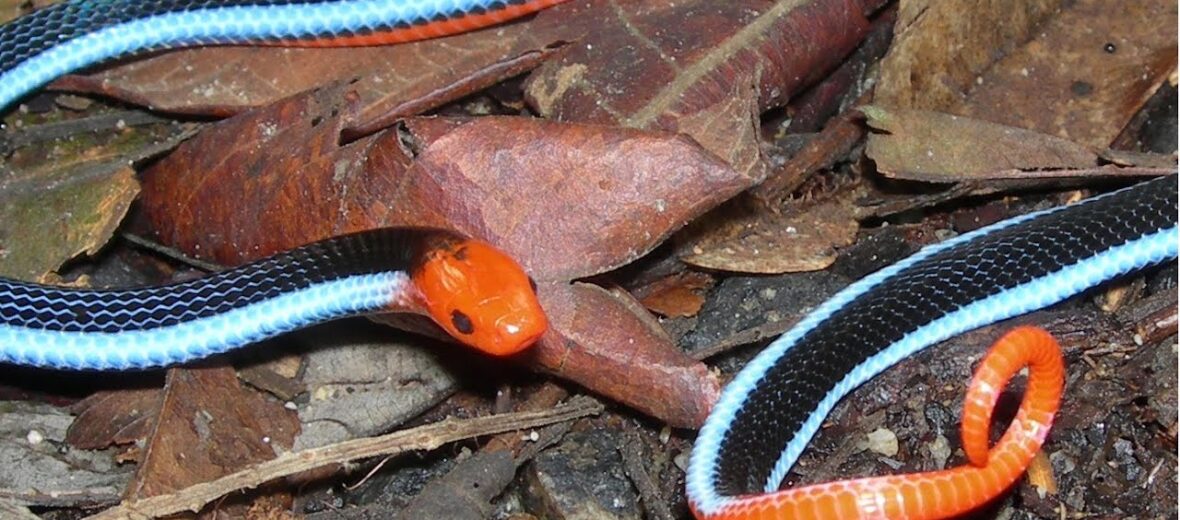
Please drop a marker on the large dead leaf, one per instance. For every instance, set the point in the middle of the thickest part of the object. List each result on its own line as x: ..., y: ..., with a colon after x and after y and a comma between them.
x: 567, y: 200
x: 704, y: 68
x: 1077, y: 70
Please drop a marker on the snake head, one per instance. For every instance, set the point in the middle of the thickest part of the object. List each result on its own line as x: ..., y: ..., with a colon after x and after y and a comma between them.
x: 480, y: 296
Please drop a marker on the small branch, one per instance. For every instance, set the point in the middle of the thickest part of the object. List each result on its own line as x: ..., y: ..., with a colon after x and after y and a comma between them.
x: 428, y: 437
x: 635, y: 464
x: 104, y: 123
x: 171, y: 253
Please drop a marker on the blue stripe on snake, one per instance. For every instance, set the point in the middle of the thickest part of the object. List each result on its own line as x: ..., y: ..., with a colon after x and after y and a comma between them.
x: 119, y: 329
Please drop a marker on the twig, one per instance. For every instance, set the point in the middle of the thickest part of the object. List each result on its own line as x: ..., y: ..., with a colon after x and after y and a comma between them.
x: 745, y: 337
x: 428, y: 437
x: 171, y: 253
x: 635, y: 465
x: 87, y: 125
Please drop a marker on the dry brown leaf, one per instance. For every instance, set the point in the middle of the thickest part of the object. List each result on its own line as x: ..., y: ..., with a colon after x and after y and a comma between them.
x: 769, y: 243
x: 940, y: 147
x: 208, y: 426
x: 114, y: 418
x: 680, y: 295
x: 1076, y: 70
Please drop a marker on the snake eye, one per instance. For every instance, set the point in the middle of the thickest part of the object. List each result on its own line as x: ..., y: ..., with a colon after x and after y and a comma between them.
x: 462, y: 322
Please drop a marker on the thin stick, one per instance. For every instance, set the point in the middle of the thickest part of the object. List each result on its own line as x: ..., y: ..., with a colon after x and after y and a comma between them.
x: 427, y: 437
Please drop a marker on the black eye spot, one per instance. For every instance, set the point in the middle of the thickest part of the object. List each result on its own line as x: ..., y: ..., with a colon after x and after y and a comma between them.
x: 533, y: 284
x: 461, y: 322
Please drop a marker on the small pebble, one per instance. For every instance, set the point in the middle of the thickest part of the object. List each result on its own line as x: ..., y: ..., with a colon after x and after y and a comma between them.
x: 883, y: 442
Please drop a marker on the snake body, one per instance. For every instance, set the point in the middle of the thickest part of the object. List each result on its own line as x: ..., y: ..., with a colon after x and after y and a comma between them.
x: 769, y: 412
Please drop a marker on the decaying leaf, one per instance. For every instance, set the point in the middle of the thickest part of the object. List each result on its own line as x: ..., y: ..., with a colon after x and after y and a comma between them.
x: 1075, y: 70
x: 361, y: 382
x: 770, y: 243
x: 941, y: 147
x: 67, y: 186
x: 82, y: 206
x: 207, y: 426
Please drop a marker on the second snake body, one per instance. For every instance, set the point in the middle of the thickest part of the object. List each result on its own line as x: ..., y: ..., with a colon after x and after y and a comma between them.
x: 769, y: 412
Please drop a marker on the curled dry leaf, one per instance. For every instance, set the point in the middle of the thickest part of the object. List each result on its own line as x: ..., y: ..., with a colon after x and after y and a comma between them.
x: 700, y: 67
x: 679, y: 295
x: 1076, y: 70
x: 567, y: 200
x: 389, y: 82
x: 605, y: 341
x: 940, y: 147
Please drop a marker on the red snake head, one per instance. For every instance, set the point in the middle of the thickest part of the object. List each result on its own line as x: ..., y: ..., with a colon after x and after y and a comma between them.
x: 480, y: 296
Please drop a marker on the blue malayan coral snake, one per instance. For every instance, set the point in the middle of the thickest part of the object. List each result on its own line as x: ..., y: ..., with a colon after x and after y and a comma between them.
x: 473, y: 291
x: 764, y: 418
